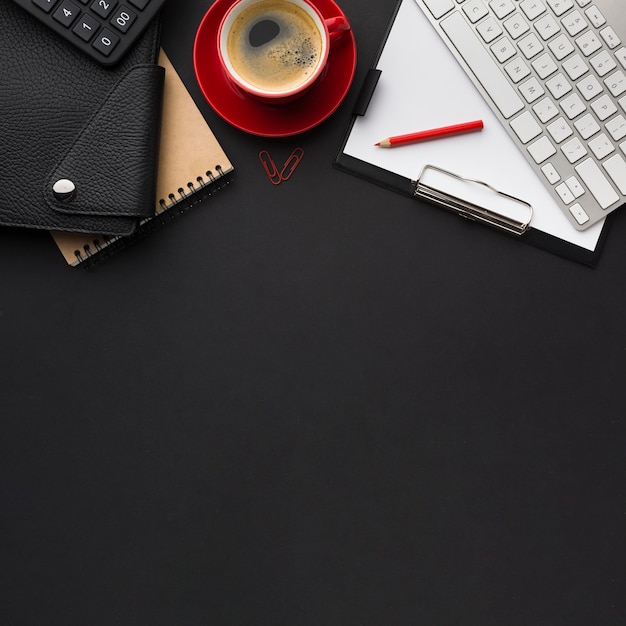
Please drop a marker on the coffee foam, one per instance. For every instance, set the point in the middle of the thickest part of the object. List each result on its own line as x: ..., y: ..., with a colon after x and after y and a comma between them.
x: 285, y: 62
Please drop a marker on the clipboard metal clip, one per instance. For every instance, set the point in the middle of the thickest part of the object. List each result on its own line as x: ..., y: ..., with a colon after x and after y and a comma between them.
x: 469, y: 208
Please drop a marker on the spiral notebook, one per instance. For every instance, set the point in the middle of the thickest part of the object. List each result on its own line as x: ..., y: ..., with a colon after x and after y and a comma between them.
x: 435, y: 93
x: 192, y: 167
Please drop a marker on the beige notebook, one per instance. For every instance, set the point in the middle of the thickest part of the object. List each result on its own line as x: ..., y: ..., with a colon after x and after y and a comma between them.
x: 192, y: 166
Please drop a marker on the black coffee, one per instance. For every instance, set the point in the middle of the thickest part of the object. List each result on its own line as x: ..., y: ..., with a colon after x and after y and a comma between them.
x: 274, y: 45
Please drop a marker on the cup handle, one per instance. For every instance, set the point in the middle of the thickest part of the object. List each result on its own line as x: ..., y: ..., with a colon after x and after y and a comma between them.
x: 337, y: 26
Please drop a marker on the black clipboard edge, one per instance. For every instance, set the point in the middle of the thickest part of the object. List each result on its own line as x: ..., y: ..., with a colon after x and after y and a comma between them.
x: 400, y: 184
x: 536, y: 238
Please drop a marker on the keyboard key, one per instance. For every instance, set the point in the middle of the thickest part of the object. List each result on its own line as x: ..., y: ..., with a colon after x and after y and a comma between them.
x: 597, y: 183
x: 587, y: 126
x: 526, y: 127
x: 616, y: 83
x: 574, y: 150
x: 558, y: 86
x: 547, y: 27
x: 517, y: 70
x: 546, y: 110
x: 564, y: 193
x: 531, y: 90
x: 549, y: 171
x: 140, y: 4
x: 489, y: 30
x: 545, y: 66
x: 541, y: 150
x: 574, y: 23
x: 478, y: 59
x: 530, y: 46
x: 533, y: 8
x: 578, y: 213
x: 617, y: 127
x: 560, y: 130
x: 589, y: 87
x: 575, y: 187
x: 616, y: 168
x: 573, y: 106
x: 595, y: 16
x: 475, y: 10
x: 516, y: 26
x: 502, y: 8
x: 503, y: 50
x: 561, y: 47
x: 603, y: 63
x: 601, y: 146
x: 604, y: 107
x: 589, y: 43
x: 560, y: 6
x: 437, y: 7
x: 610, y: 37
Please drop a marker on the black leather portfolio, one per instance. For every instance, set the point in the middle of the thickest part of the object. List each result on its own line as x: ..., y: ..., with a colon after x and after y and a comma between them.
x: 80, y: 141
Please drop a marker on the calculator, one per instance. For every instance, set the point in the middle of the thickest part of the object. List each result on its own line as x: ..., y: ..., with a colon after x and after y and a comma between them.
x: 103, y: 29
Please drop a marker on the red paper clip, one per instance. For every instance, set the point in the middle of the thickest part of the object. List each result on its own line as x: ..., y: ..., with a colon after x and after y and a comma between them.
x: 288, y: 169
x: 270, y: 167
x: 291, y: 163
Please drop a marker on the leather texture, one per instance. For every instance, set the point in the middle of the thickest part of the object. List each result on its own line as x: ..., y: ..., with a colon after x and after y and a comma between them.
x: 63, y: 116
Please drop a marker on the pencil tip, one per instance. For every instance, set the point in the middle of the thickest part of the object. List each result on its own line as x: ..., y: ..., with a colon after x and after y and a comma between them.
x: 377, y: 143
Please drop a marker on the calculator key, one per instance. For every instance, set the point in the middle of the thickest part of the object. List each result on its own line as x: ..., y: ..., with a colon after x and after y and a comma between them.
x: 140, y: 4
x: 106, y: 41
x: 66, y: 13
x: 86, y: 27
x: 123, y: 19
x: 103, y: 8
x: 46, y: 5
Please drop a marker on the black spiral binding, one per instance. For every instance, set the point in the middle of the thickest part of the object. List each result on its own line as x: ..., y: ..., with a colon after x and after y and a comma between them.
x: 169, y: 209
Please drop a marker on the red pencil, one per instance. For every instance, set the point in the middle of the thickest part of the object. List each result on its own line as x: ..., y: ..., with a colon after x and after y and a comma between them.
x: 433, y: 133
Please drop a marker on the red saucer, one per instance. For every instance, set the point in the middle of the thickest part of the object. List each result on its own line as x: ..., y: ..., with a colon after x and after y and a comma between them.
x: 276, y: 120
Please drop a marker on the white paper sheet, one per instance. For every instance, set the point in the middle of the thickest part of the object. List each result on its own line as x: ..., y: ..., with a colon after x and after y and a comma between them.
x: 422, y: 86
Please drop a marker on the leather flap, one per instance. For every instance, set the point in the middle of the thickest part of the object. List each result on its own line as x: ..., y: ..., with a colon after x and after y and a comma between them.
x: 109, y: 170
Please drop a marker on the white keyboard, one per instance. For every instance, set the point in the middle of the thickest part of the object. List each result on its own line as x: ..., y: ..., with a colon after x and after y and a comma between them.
x: 554, y: 72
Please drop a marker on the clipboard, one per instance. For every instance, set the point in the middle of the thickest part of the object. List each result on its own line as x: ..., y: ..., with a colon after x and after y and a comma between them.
x: 416, y: 83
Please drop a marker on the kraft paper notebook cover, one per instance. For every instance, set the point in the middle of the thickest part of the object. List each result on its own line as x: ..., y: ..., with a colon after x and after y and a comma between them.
x: 417, y: 84
x: 66, y: 118
x: 192, y: 166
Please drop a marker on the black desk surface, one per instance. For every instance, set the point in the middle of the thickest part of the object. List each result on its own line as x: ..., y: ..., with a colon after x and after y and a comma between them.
x: 318, y: 403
